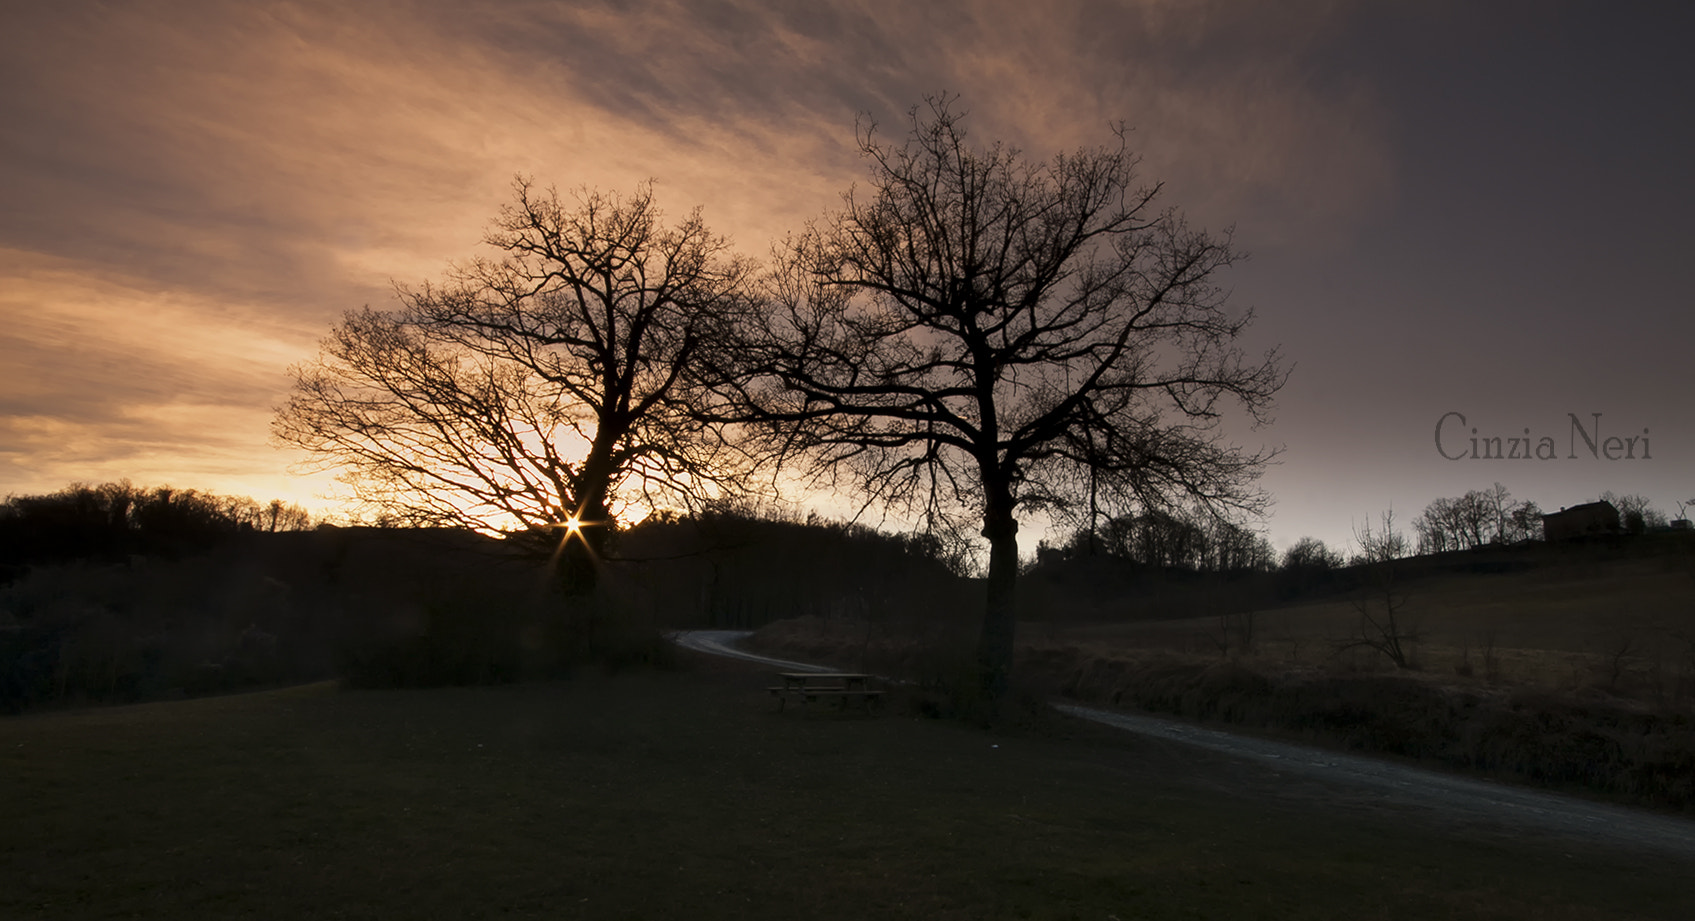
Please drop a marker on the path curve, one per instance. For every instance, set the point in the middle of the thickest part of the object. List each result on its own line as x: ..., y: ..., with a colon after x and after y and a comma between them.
x: 722, y: 643
x: 1388, y: 783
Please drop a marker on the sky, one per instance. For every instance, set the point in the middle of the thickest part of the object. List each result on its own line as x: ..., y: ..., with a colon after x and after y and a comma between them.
x: 1450, y: 207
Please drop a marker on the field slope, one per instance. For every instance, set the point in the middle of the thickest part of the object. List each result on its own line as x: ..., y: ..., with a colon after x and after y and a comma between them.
x: 684, y: 795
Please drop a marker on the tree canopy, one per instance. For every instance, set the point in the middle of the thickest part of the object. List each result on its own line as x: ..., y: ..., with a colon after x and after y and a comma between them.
x: 530, y: 393
x: 977, y: 332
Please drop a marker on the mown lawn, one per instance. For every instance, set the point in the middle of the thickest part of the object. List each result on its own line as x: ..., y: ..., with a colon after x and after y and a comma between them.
x: 686, y: 796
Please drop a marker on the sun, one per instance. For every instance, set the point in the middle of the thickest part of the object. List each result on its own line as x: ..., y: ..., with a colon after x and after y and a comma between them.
x: 574, y: 525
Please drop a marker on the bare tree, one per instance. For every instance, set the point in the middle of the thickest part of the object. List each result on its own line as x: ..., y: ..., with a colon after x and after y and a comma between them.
x: 1310, y: 553
x: 528, y: 393
x: 1635, y: 513
x: 1231, y: 547
x: 1382, y: 625
x: 1385, y: 544
x: 1525, y: 521
x: 1477, y: 518
x: 1380, y: 600
x: 1175, y: 538
x: 1497, y: 504
x: 1306, y: 565
x: 978, y: 333
x: 1435, y: 527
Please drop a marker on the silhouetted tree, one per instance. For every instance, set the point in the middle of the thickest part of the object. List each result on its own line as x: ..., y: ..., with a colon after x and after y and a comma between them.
x: 1635, y: 513
x: 1382, y: 625
x: 1306, y: 565
x: 1526, y: 521
x: 1174, y: 539
x: 525, y: 394
x: 978, y: 331
x: 282, y: 516
x: 1232, y: 548
x: 1479, y: 517
x: 1385, y: 544
x: 111, y: 520
x: 1311, y: 554
x: 1158, y: 538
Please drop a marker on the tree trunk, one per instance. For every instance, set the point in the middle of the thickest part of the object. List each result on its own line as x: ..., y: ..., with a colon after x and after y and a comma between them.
x: 576, y: 568
x: 1000, y: 617
x: 580, y: 558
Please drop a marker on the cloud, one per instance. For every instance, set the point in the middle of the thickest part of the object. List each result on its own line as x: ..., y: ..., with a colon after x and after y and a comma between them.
x: 103, y: 379
x: 195, y: 191
x: 281, y: 151
x: 1222, y: 95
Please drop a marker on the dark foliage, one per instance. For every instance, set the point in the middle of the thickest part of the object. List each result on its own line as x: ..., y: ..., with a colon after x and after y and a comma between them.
x: 744, y: 567
x: 1170, y: 539
x: 239, y: 607
x: 259, y: 608
x: 113, y: 521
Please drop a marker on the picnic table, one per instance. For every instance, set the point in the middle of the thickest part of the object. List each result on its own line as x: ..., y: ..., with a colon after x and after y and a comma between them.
x: 841, y: 687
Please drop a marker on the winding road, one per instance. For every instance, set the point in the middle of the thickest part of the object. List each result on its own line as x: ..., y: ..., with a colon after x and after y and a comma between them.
x: 1365, y: 782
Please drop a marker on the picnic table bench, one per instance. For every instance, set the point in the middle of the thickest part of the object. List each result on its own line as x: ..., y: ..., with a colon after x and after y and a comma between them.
x: 842, y: 687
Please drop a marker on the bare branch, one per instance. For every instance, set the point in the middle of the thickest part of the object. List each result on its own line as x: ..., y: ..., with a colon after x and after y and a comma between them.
x: 538, y: 387
x: 974, y: 330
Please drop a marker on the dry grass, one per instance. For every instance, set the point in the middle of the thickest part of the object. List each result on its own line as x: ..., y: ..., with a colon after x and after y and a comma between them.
x: 1623, y: 626
x: 1545, y: 620
x: 1579, y: 676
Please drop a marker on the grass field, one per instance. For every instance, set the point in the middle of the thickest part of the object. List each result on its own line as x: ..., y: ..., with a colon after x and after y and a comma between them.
x: 684, y: 795
x: 1571, y: 669
x: 1552, y: 626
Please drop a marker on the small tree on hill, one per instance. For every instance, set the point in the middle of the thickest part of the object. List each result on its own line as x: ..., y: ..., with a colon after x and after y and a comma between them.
x: 1380, y: 602
x: 1308, y: 563
x: 1635, y: 514
x: 1310, y: 554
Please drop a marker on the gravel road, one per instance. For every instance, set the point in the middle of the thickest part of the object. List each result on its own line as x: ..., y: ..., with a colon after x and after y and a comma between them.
x: 1286, y: 770
x: 723, y: 643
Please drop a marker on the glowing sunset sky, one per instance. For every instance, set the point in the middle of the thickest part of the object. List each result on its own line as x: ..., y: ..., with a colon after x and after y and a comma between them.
x: 1449, y: 210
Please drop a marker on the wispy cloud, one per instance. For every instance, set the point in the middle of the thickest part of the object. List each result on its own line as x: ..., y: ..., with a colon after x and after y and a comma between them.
x: 194, y: 191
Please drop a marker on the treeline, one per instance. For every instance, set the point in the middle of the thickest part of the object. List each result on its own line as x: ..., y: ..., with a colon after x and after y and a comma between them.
x: 112, y: 521
x: 236, y: 604
x: 1155, y: 564
x: 259, y: 609
x: 742, y: 567
x: 116, y: 593
x: 1169, y: 539
x: 1172, y: 563
x: 1492, y: 516
x: 1480, y: 517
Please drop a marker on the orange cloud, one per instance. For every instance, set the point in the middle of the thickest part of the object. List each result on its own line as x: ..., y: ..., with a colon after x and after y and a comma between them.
x: 197, y: 190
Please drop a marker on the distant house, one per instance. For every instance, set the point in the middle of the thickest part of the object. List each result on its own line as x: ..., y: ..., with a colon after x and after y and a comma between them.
x: 1585, y: 520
